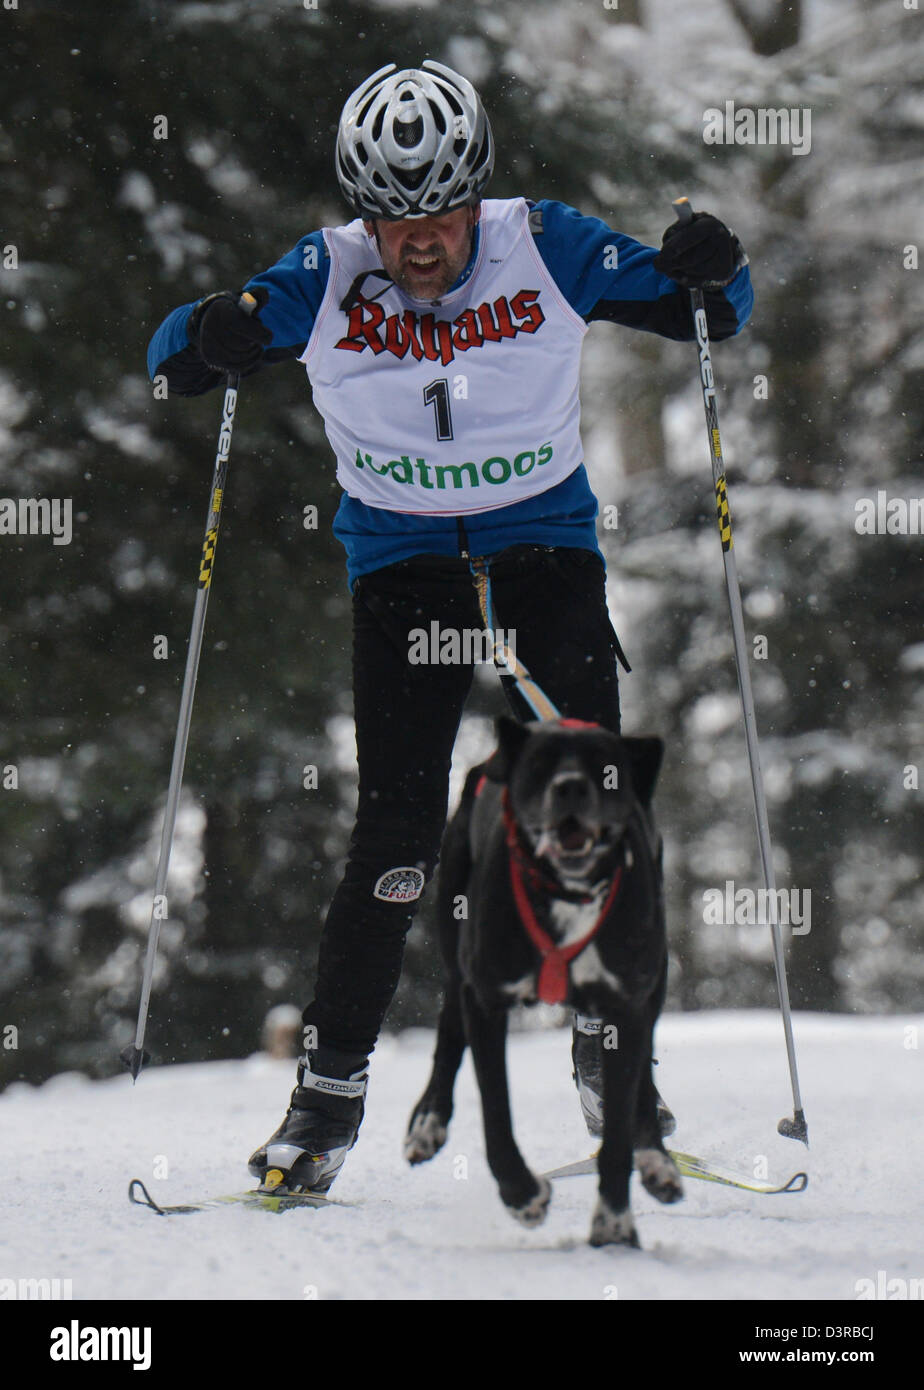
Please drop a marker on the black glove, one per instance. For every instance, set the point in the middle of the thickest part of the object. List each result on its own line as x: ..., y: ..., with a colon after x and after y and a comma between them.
x: 228, y: 338
x: 700, y: 254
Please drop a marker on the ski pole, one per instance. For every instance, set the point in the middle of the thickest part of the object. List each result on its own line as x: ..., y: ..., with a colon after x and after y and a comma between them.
x: 134, y: 1056
x: 796, y: 1127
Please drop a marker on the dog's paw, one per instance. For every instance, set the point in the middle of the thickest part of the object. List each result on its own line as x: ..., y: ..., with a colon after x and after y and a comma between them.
x: 659, y: 1174
x: 610, y: 1227
x: 426, y: 1137
x: 534, y: 1211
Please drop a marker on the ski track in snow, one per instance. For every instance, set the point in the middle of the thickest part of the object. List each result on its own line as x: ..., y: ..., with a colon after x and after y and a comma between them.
x: 70, y: 1146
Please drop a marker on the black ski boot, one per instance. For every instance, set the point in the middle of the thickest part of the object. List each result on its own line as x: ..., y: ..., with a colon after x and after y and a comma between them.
x: 321, y: 1125
x: 586, y: 1055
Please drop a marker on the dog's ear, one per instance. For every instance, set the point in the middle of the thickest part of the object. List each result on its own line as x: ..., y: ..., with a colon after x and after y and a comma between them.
x: 511, y: 735
x: 644, y: 756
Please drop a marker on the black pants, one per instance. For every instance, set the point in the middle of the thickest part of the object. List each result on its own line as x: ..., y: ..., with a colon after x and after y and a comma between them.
x: 407, y: 716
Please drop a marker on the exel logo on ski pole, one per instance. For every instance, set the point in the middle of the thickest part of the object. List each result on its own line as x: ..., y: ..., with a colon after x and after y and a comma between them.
x: 705, y: 361
x: 227, y: 424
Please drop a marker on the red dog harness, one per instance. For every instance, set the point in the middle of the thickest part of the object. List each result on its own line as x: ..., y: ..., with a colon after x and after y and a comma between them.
x: 552, y: 987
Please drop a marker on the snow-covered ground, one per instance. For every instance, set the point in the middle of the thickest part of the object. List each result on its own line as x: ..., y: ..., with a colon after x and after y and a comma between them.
x: 440, y: 1232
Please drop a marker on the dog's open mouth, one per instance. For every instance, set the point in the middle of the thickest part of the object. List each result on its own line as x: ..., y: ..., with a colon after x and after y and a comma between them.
x: 569, y: 842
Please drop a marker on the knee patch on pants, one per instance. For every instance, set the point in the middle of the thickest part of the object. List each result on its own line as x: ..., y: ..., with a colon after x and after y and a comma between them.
x: 402, y: 884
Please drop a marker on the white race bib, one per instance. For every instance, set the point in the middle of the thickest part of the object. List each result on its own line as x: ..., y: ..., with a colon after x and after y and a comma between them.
x: 460, y: 406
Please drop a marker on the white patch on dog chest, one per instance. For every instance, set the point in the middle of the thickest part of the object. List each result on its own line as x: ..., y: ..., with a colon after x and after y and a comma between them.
x: 572, y: 921
x: 588, y: 969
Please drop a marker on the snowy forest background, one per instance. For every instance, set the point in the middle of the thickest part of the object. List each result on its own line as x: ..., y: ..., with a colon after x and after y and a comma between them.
x: 600, y: 107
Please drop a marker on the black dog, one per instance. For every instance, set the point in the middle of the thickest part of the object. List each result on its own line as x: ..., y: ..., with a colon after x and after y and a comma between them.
x: 550, y: 888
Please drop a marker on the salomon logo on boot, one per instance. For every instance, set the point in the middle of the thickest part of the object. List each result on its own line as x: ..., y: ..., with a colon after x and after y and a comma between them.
x: 321, y: 1124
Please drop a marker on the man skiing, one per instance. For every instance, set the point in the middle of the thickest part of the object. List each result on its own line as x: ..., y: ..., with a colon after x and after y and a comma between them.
x: 441, y: 334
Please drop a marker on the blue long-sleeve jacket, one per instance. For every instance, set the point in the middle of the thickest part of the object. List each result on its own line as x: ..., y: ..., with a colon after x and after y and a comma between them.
x: 572, y: 246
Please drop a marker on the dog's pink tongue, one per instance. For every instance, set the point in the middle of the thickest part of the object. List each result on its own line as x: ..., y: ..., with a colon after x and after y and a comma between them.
x: 574, y: 839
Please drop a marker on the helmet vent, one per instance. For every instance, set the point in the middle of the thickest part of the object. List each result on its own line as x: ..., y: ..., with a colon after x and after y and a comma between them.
x: 408, y: 134
x: 438, y: 118
x: 411, y: 178
x: 360, y: 117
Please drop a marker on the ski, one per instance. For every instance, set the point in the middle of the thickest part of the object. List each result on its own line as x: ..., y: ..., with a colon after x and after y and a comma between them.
x: 692, y: 1167
x: 264, y: 1200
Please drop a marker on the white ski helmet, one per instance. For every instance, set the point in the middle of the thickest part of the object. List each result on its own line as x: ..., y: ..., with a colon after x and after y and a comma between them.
x: 414, y: 143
